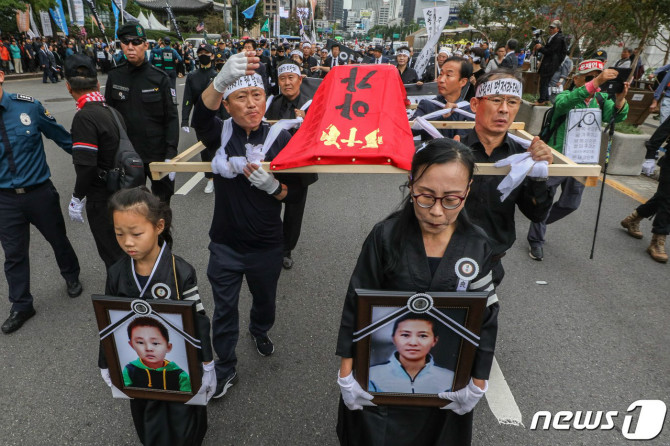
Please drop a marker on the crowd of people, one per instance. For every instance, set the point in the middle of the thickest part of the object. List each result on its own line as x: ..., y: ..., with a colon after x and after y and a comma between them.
x: 449, y: 215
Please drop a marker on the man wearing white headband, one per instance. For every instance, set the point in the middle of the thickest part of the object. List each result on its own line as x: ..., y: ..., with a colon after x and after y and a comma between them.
x: 495, y: 105
x: 590, y: 75
x: 407, y: 74
x: 309, y: 61
x: 289, y: 104
x: 246, y: 230
x: 431, y: 73
x: 455, y: 75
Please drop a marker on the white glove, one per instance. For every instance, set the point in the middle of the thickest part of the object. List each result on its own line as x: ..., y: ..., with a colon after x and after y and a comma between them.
x: 208, y: 380
x: 464, y: 400
x: 187, y: 129
x: 105, y: 376
x: 235, y: 68
x: 76, y: 209
x: 171, y: 175
x: 353, y: 395
x: 263, y: 180
x: 648, y: 167
x: 221, y: 166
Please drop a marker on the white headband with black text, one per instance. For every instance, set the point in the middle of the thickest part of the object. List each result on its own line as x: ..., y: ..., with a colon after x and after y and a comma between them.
x: 254, y: 80
x: 505, y: 86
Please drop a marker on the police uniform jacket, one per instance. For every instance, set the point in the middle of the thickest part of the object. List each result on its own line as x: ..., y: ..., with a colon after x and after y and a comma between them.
x: 25, y: 120
x: 95, y: 137
x: 169, y: 58
x: 196, y: 82
x: 246, y: 218
x: 483, y: 205
x: 425, y: 107
x: 402, y: 425
x: 282, y: 108
x: 148, y: 104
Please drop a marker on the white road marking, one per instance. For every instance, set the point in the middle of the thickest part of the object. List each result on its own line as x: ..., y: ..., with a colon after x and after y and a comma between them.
x: 190, y: 184
x: 500, y: 398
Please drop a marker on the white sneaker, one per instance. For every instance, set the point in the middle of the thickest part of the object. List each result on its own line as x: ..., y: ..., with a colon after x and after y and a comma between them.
x: 210, y: 187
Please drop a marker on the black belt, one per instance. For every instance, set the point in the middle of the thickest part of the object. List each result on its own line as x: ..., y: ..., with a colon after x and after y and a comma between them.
x: 23, y: 190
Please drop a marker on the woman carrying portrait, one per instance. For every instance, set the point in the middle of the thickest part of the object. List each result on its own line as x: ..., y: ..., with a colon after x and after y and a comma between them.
x: 416, y: 249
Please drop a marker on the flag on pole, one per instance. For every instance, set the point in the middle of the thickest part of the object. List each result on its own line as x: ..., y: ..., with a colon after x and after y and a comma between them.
x: 23, y: 19
x: 33, y: 32
x: 250, y: 11
x: 95, y: 17
x: 115, y: 9
x: 59, y: 17
x: 266, y: 26
x: 168, y: 9
x: 78, y: 7
x: 200, y: 27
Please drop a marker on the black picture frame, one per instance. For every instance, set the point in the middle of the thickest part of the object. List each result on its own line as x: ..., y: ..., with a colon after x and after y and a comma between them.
x: 113, y: 314
x: 452, y: 352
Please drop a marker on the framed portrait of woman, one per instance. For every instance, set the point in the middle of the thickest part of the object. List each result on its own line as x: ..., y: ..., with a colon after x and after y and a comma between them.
x: 150, y: 347
x: 412, y: 346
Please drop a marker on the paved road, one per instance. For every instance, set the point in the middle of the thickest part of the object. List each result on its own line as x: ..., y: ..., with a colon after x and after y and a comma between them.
x: 593, y: 338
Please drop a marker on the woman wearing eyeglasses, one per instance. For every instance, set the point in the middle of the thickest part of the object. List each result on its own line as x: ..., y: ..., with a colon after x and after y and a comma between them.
x: 416, y: 249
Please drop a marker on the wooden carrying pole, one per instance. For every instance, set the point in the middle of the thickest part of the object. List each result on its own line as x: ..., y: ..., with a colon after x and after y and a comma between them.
x: 562, y: 165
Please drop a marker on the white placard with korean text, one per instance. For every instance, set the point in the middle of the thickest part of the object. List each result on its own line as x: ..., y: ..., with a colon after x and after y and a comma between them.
x: 583, y: 132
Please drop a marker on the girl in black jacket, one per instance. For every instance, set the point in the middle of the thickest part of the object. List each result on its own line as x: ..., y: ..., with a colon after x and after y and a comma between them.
x: 151, y: 271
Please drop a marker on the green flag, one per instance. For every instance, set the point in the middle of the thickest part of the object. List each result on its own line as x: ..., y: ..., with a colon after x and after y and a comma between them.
x: 266, y: 26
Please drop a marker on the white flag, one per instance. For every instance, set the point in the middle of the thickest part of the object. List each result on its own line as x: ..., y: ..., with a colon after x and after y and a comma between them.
x: 46, y: 23
x: 436, y: 19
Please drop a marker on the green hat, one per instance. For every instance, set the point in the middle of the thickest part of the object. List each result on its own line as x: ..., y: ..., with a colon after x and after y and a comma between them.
x: 131, y: 29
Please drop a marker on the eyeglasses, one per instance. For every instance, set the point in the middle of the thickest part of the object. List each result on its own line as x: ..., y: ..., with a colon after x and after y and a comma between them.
x: 135, y: 41
x: 497, y: 101
x: 449, y: 202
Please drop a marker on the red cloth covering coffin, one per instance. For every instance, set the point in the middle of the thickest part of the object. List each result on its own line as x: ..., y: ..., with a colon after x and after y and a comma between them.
x: 357, y: 117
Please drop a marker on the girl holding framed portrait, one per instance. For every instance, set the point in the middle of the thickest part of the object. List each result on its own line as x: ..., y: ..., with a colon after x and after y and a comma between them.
x: 150, y: 271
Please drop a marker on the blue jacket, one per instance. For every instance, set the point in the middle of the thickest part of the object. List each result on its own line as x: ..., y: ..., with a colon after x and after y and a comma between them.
x: 25, y: 120
x: 392, y: 377
x: 660, y: 91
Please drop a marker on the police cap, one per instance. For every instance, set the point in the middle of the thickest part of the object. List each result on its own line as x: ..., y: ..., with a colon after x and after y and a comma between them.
x: 166, y: 39
x: 205, y: 47
x: 80, y: 65
x: 131, y: 29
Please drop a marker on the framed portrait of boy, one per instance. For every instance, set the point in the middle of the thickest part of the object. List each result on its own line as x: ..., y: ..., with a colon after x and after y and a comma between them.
x: 150, y: 346
x: 412, y: 346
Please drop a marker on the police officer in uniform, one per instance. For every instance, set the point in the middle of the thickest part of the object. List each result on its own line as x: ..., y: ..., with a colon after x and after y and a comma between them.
x: 287, y: 105
x: 219, y: 60
x: 196, y: 82
x: 27, y: 197
x: 170, y: 58
x: 143, y: 95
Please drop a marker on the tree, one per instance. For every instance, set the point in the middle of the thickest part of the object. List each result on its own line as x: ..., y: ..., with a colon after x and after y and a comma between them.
x: 214, y: 23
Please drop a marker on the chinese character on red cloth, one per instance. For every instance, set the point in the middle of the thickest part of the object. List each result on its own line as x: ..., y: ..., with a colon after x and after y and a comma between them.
x: 357, y: 117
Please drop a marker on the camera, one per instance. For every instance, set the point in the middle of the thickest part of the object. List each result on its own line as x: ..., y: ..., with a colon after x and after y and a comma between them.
x: 537, y: 32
